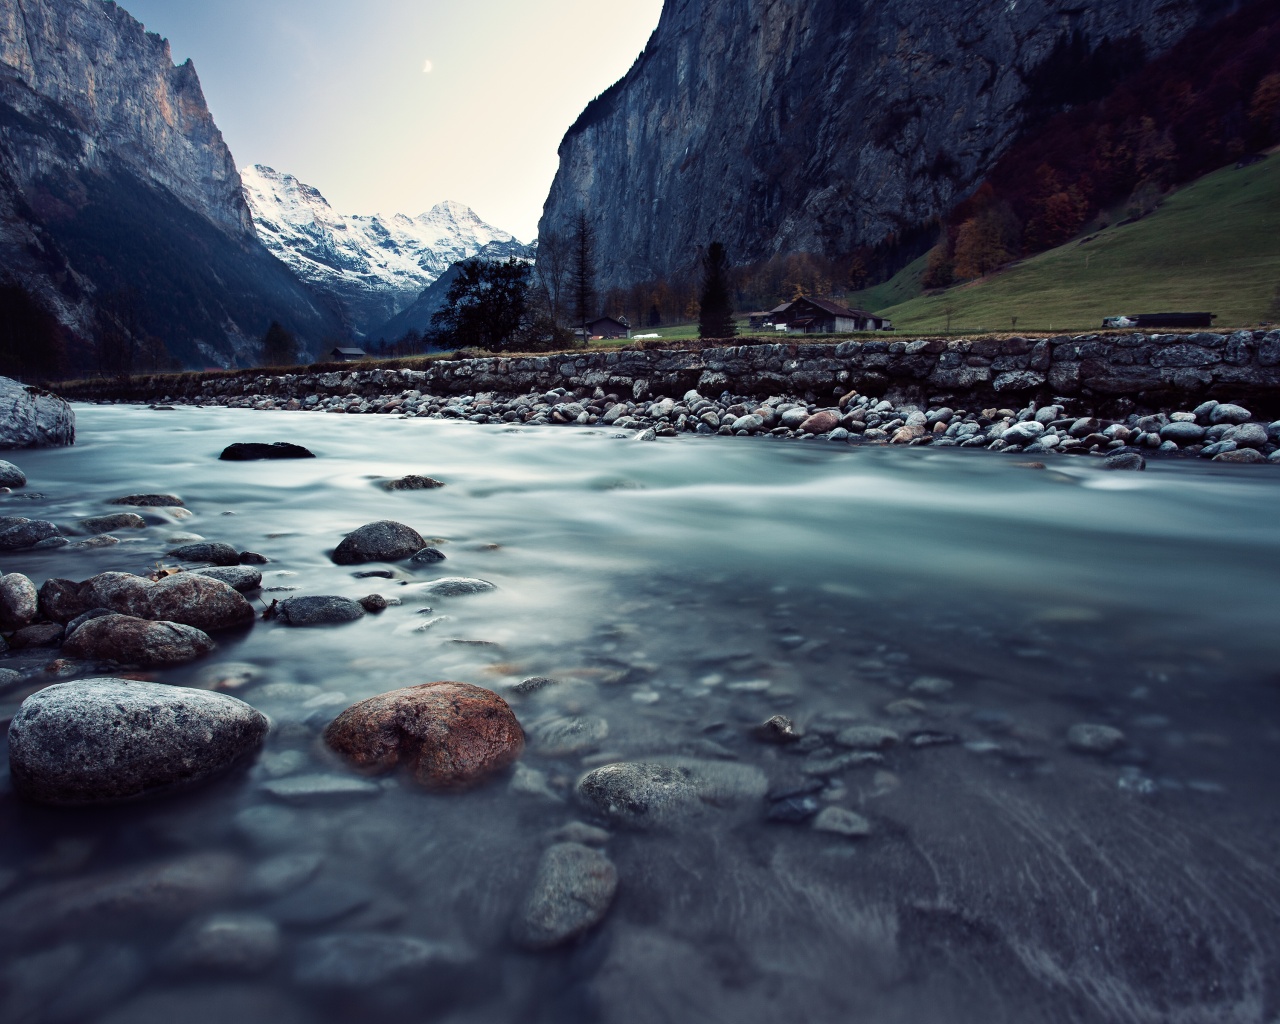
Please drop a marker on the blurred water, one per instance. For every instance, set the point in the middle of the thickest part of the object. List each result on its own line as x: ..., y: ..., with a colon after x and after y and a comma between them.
x: 685, y: 590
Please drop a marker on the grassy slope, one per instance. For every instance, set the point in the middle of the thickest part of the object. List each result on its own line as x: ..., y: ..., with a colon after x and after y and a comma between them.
x: 1213, y: 245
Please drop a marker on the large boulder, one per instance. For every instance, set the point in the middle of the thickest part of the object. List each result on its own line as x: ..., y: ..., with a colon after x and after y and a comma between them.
x: 383, y: 541
x: 31, y: 418
x: 320, y: 610
x: 250, y: 451
x: 19, y: 601
x: 671, y: 791
x: 571, y: 893
x: 192, y: 599
x: 127, y: 640
x: 450, y: 735
x: 106, y: 740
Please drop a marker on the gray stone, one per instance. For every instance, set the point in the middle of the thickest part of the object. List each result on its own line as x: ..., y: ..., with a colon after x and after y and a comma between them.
x: 1250, y: 435
x: 778, y: 729
x: 1089, y: 738
x: 1230, y: 414
x: 1244, y: 456
x: 580, y: 832
x: 127, y: 640
x: 933, y: 686
x: 1182, y: 433
x: 279, y: 875
x: 428, y: 556
x: 149, y: 501
x: 320, y: 786
x: 361, y: 961
x: 193, y: 599
x: 842, y: 822
x: 648, y: 794
x: 115, y: 521
x: 11, y: 475
x: 207, y: 551
x: 867, y: 737
x: 411, y: 483
x: 17, y: 533
x: 19, y: 601
x: 1023, y: 433
x: 456, y: 586
x: 383, y: 541
x: 751, y: 423
x: 44, y: 634
x: 226, y: 943
x: 32, y: 418
x: 326, y: 610
x: 243, y: 578
x: 532, y: 685
x: 571, y: 893
x: 558, y: 737
x: 104, y: 740
x: 1124, y: 460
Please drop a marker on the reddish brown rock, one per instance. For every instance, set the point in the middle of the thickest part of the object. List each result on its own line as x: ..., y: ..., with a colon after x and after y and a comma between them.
x: 133, y: 641
x: 451, y: 735
x: 187, y: 598
x: 821, y: 422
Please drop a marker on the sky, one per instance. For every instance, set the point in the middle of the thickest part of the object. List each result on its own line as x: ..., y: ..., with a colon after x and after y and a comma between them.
x: 391, y: 106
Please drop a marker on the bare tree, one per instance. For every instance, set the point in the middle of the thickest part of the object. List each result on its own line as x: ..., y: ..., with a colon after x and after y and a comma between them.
x: 553, y: 269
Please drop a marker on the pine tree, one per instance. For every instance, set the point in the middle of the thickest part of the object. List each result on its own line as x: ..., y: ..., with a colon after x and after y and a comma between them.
x: 279, y: 346
x: 715, y: 312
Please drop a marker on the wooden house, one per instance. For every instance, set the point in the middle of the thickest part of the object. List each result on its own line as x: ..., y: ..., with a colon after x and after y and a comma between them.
x: 822, y: 316
x: 606, y: 327
x: 347, y: 355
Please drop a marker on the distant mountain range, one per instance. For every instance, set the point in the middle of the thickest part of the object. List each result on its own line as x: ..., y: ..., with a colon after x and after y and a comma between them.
x: 371, y: 267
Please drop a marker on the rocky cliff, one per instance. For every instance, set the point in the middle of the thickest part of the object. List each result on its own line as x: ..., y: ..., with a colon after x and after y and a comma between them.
x: 777, y: 126
x: 117, y: 188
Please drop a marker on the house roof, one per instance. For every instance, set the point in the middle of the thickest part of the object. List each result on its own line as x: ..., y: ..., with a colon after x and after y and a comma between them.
x: 833, y: 308
x: 349, y: 351
x: 606, y: 320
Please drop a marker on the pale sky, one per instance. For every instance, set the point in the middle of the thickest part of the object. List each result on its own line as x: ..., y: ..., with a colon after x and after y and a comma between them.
x: 390, y: 106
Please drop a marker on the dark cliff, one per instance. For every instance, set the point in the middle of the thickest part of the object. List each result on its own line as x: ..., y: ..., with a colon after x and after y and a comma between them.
x: 117, y: 189
x: 777, y: 126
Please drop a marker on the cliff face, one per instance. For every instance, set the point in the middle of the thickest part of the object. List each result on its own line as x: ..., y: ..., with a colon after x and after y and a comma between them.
x: 777, y: 126
x: 115, y: 181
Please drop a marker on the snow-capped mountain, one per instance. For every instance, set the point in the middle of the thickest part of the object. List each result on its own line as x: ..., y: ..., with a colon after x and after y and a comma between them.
x: 372, y: 266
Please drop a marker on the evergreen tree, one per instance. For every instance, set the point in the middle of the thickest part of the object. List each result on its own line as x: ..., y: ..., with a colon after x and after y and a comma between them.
x: 582, y: 272
x: 715, y: 312
x: 486, y: 306
x: 279, y: 346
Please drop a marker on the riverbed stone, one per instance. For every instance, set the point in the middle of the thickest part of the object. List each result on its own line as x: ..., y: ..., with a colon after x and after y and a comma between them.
x: 383, y: 541
x: 1229, y: 413
x: 33, y: 418
x: 1182, y: 432
x: 243, y: 578
x: 1124, y: 460
x: 321, y: 610
x: 115, y: 521
x: 1244, y: 456
x: 199, y: 600
x: 149, y: 501
x: 105, y: 740
x: 456, y: 586
x: 645, y: 794
x: 1091, y: 738
x: 207, y: 551
x: 867, y: 737
x: 42, y: 634
x: 249, y: 451
x: 779, y: 729
x: 11, y: 475
x: 413, y: 482
x: 450, y: 735
x: 358, y: 961
x: 127, y: 640
x: 842, y: 822
x: 234, y: 943
x: 571, y: 893
x: 18, y: 533
x: 19, y: 601
x: 428, y: 556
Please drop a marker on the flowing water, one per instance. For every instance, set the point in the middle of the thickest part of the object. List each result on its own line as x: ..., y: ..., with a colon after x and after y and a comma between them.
x: 682, y: 592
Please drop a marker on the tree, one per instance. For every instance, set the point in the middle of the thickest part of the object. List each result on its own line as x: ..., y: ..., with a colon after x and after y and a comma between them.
x: 715, y: 310
x: 985, y: 242
x: 487, y: 305
x: 553, y: 269
x: 279, y: 346
x: 582, y: 272
x: 938, y: 269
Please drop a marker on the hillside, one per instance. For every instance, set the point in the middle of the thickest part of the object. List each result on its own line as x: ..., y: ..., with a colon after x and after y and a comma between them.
x: 1210, y: 246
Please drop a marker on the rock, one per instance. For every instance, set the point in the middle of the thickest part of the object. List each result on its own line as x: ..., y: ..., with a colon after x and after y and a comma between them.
x: 1182, y: 432
x: 233, y: 943
x: 1250, y: 435
x: 1023, y: 433
x: 1124, y: 460
x: 428, y: 556
x: 383, y: 541
x: 104, y: 740
x: 532, y: 685
x: 580, y: 832
x: 32, y: 418
x: 1241, y: 455
x: 115, y: 521
x: 571, y: 893
x: 532, y: 782
x: 559, y: 737
x: 11, y: 475
x: 319, y: 786
x: 132, y: 641
x: 197, y: 599
x: 456, y: 586
x: 282, y: 874
x: 932, y: 686
x: 253, y: 558
x: 1230, y: 414
x: 374, y: 604
x: 207, y: 551
x: 246, y: 451
x: 1086, y: 738
x: 17, y: 533
x: 867, y: 737
x: 450, y: 735
x: 822, y: 422
x: 842, y: 822
x: 647, y: 794
x: 19, y: 601
x: 778, y: 729
x: 824, y: 767
x: 149, y: 501
x: 792, y: 809
x: 325, y: 610
x: 751, y: 423
x: 411, y: 483
x: 361, y: 961
x: 243, y: 578
x: 46, y: 634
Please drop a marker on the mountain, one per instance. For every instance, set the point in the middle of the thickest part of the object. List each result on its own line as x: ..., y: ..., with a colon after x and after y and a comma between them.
x: 373, y: 267
x: 118, y: 193
x: 821, y: 127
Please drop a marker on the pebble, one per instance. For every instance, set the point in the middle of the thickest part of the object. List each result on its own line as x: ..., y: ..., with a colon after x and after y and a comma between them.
x: 842, y: 822
x: 571, y: 893
x: 207, y: 551
x: 1088, y: 738
x: 559, y: 737
x: 320, y: 786
x: 867, y: 737
x: 779, y: 729
x: 11, y: 475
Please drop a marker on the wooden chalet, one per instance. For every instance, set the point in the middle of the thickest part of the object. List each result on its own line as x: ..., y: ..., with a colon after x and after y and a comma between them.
x: 822, y: 316
x: 606, y: 327
x: 347, y: 355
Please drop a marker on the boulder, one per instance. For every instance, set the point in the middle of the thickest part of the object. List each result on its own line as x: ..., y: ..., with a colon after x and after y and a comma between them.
x: 571, y: 892
x: 19, y: 601
x: 383, y: 541
x: 45, y: 634
x: 450, y: 735
x: 106, y: 740
x: 820, y: 422
x: 248, y: 451
x: 239, y: 577
x: 114, y: 521
x: 411, y: 483
x: 235, y: 943
x: 32, y: 418
x: 149, y: 501
x: 207, y: 551
x: 132, y: 641
x: 17, y: 533
x: 319, y: 611
x: 1226, y: 413
x: 11, y: 475
x: 195, y: 599
x: 1182, y: 432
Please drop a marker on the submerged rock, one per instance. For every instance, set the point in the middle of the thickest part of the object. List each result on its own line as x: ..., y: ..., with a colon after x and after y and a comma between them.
x: 32, y: 418
x: 428, y: 556
x: 248, y: 451
x: 778, y: 729
x: 11, y: 475
x: 19, y: 601
x: 115, y: 521
x: 646, y: 794
x: 383, y: 541
x: 207, y: 551
x: 842, y: 822
x: 867, y: 737
x: 456, y: 586
x: 239, y: 577
x: 359, y: 961
x: 191, y: 598
x: 326, y: 610
x: 232, y: 943
x: 1089, y: 738
x: 127, y: 640
x: 450, y: 735
x: 149, y: 501
x: 411, y: 483
x: 557, y: 737
x: 571, y: 892
x: 1124, y: 460
x: 105, y: 740
x: 17, y: 533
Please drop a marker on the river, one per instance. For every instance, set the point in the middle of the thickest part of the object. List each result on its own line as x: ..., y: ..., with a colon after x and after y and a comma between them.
x: 681, y: 592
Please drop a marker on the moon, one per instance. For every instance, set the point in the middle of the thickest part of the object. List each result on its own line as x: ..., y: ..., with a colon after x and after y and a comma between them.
x: 426, y: 67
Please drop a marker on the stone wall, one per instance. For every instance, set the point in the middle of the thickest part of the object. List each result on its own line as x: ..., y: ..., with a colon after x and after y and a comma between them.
x: 1103, y: 374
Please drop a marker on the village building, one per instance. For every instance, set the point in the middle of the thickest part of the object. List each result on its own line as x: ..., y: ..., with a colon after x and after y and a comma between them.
x: 822, y: 316
x: 347, y: 355
x: 607, y: 328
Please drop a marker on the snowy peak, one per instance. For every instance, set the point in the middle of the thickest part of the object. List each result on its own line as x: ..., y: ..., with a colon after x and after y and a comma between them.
x: 373, y: 265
